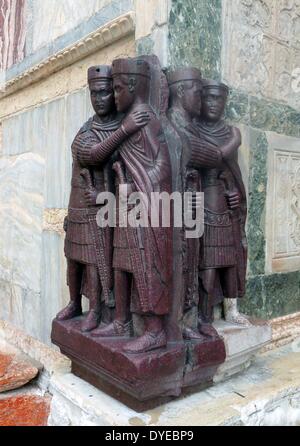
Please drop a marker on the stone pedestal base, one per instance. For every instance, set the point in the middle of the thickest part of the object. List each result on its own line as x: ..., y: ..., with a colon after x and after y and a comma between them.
x: 242, y: 344
x: 266, y: 394
x: 141, y: 381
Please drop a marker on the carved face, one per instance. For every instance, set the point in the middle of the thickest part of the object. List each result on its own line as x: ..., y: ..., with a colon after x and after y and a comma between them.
x: 102, y: 97
x: 124, y: 88
x: 213, y: 103
x: 191, y: 100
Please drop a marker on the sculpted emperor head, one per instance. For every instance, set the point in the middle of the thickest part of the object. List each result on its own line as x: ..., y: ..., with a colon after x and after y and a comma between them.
x: 185, y: 88
x: 131, y: 82
x: 101, y: 89
x: 214, y: 98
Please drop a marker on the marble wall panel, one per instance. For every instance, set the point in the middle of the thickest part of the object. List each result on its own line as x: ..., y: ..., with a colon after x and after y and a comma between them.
x: 75, y: 116
x: 32, y: 310
x: 259, y: 48
x: 25, y: 132
x: 149, y: 15
x: 283, y: 204
x: 12, y: 303
x: 54, y: 18
x: 5, y: 293
x: 294, y: 98
x: 54, y: 294
x: 21, y: 307
x: 21, y: 210
x: 12, y: 32
x: 55, y: 155
x: 10, y: 138
x: 1, y: 139
x: 195, y: 29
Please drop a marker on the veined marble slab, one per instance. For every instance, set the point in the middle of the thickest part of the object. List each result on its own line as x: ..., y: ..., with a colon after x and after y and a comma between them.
x: 54, y: 18
x: 261, y: 48
x: 55, y: 294
x: 21, y: 211
x: 283, y: 204
x: 12, y: 32
x: 242, y: 344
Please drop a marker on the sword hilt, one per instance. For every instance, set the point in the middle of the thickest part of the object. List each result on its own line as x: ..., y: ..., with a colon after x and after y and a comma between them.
x: 85, y: 173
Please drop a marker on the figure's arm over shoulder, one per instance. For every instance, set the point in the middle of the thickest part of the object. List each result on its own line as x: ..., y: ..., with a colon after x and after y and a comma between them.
x: 92, y: 152
x: 101, y: 151
x: 202, y: 155
x: 230, y: 148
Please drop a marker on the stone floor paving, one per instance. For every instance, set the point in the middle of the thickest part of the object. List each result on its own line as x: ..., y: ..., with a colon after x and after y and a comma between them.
x: 26, y: 410
x: 20, y: 402
x: 15, y: 372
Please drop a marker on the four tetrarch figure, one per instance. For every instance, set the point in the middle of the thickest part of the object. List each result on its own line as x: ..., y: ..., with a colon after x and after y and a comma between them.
x: 154, y: 132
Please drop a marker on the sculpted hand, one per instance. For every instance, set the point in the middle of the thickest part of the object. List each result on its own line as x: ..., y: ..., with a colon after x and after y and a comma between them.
x: 233, y: 200
x: 135, y: 121
x: 90, y: 196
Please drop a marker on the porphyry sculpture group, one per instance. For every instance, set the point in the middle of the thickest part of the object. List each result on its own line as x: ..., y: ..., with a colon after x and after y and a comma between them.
x: 152, y: 290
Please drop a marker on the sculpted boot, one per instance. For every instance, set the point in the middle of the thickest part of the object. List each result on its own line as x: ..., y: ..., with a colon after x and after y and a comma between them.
x: 73, y: 309
x: 207, y: 329
x: 93, y: 317
x: 206, y: 316
x: 115, y: 329
x: 149, y: 341
x: 153, y: 338
x: 91, y: 321
x: 191, y: 335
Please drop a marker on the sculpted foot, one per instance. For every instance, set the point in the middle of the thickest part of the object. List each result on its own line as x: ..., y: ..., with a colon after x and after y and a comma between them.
x: 232, y: 313
x: 91, y: 321
x: 208, y: 330
x: 239, y: 319
x: 149, y: 341
x: 115, y: 329
x: 191, y: 335
x: 69, y: 312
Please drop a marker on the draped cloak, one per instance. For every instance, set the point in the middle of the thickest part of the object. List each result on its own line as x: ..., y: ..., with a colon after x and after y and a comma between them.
x: 146, y: 252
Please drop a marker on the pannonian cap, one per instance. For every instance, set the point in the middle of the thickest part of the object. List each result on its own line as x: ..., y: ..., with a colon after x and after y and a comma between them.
x: 133, y: 66
x: 99, y: 72
x: 183, y: 74
x: 210, y: 83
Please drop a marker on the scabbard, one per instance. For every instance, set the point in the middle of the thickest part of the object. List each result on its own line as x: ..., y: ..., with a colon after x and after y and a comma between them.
x: 136, y: 258
x: 99, y: 244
